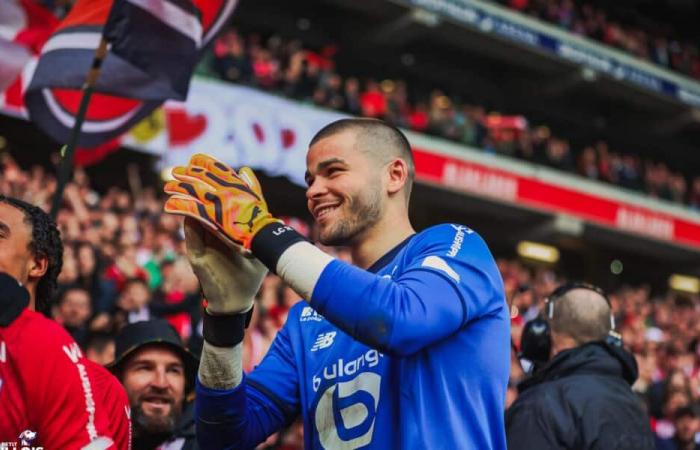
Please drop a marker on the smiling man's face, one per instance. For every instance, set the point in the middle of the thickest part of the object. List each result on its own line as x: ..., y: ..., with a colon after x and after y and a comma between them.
x: 344, y: 192
x: 154, y: 380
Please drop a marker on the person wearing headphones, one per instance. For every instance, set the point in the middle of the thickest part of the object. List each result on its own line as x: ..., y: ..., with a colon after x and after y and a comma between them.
x: 579, y: 396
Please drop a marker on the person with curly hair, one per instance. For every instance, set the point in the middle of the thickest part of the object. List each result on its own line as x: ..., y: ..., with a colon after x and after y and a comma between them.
x: 37, y: 262
x: 51, y: 395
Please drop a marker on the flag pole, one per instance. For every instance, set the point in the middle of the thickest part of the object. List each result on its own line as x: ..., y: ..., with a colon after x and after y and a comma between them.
x: 67, y: 151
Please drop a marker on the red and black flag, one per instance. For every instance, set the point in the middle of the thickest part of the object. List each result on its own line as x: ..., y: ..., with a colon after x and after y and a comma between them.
x: 24, y: 27
x: 154, y: 46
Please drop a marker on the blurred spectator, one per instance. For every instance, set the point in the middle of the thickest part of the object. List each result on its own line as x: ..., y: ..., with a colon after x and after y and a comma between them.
x: 73, y: 311
x: 372, y: 101
x: 687, y: 426
x: 133, y: 302
x: 232, y: 62
x: 418, y: 119
x: 695, y: 194
x: 125, y: 267
x: 100, y: 348
x: 178, y: 299
x: 558, y: 155
x: 352, y: 96
x: 588, y: 164
x: 329, y: 93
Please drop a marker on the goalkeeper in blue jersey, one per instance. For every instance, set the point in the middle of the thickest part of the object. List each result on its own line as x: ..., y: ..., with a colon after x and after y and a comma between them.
x: 409, y: 348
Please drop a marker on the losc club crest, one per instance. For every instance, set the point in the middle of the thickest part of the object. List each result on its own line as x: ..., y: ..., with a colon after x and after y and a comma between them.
x: 25, y: 441
x: 26, y: 438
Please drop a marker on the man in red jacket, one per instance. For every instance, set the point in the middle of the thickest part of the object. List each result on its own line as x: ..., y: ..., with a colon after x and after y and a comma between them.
x: 51, y: 396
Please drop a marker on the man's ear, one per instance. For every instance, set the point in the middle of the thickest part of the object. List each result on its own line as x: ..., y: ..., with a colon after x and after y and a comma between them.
x: 397, y: 171
x: 38, y: 266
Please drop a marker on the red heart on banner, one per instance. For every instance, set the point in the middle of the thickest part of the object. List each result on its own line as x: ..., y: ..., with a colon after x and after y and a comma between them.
x: 184, y: 128
x: 288, y: 138
x: 259, y: 133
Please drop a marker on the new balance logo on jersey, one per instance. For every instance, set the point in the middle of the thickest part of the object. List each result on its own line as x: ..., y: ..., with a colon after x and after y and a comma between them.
x: 324, y: 340
x: 308, y: 313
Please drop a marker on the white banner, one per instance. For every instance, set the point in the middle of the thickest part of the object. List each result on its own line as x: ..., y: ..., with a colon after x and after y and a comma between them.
x: 238, y: 125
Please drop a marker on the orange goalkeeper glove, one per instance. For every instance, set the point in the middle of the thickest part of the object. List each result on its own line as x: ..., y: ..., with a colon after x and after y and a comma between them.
x: 230, y: 204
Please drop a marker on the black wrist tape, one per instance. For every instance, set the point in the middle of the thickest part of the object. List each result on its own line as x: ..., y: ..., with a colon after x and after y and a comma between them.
x: 226, y: 330
x: 271, y: 241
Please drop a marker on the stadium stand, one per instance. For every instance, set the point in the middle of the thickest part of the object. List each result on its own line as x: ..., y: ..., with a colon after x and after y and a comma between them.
x: 657, y: 42
x: 287, y: 67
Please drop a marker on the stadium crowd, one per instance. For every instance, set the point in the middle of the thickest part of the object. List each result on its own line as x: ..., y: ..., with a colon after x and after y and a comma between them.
x: 288, y: 68
x: 648, y: 38
x: 124, y: 262
x: 655, y: 42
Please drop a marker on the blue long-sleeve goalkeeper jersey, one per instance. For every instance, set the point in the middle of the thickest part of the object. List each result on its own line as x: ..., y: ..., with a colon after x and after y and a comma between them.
x: 412, y: 353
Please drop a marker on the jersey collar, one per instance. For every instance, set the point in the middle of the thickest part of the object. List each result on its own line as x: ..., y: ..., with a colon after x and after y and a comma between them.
x: 389, y: 256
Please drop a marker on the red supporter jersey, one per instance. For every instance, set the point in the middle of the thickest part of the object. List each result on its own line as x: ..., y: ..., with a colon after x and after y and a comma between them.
x: 51, y: 396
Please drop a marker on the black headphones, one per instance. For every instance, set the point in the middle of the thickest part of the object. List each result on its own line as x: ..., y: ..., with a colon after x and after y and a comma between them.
x: 536, y: 340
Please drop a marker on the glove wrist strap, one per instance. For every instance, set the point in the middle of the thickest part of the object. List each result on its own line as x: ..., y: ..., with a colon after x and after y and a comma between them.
x: 225, y: 330
x: 271, y: 241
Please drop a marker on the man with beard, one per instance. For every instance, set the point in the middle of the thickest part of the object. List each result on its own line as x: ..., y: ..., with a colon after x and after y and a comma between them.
x: 50, y: 393
x: 157, y: 372
x: 408, y: 348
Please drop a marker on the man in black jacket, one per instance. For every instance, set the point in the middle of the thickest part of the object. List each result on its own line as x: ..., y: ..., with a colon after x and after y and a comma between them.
x: 581, y: 399
x: 158, y: 373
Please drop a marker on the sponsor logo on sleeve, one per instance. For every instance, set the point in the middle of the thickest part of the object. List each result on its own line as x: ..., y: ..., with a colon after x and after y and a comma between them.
x: 460, y: 231
x: 438, y: 263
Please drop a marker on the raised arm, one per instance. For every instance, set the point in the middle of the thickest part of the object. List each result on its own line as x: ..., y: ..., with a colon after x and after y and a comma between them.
x: 229, y: 412
x: 438, y: 293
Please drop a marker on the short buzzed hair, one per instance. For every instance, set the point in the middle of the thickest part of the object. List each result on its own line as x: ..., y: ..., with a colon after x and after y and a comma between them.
x: 375, y: 138
x: 583, y: 314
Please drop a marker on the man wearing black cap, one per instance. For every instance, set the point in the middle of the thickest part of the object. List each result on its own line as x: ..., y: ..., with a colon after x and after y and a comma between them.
x: 157, y: 372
